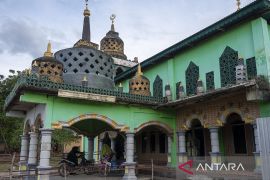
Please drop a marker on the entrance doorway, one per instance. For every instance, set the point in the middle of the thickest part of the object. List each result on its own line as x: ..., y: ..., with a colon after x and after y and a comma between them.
x: 197, y: 140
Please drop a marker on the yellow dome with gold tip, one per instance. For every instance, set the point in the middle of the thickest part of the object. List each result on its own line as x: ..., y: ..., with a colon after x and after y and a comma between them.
x: 139, y: 84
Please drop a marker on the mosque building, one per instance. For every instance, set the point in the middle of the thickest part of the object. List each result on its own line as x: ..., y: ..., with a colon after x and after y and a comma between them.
x: 205, y: 96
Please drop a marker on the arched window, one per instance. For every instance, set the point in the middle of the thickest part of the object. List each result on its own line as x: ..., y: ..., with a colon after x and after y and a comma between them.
x: 227, y: 63
x: 238, y: 133
x: 158, y: 87
x: 192, y: 76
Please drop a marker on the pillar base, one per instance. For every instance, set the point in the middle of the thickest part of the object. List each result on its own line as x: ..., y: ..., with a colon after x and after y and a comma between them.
x: 258, y: 168
x: 215, y: 157
x: 130, y: 171
x: 169, y: 159
x: 182, y: 157
x: 22, y: 165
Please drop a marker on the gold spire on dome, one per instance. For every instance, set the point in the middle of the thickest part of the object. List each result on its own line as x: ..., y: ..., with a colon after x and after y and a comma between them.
x: 112, y: 17
x: 86, y: 11
x: 35, y: 64
x: 238, y: 3
x: 48, y: 53
x: 139, y: 70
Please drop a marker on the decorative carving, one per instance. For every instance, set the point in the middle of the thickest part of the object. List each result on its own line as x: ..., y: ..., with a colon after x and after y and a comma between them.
x: 168, y: 92
x: 85, y: 43
x: 192, y: 76
x: 240, y: 71
x: 227, y: 63
x: 210, y: 83
x: 31, y: 81
x: 158, y: 87
x: 139, y: 84
x: 251, y: 68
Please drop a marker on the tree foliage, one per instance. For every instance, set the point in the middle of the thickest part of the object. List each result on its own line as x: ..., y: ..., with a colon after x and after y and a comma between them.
x: 62, y: 137
x: 10, y: 128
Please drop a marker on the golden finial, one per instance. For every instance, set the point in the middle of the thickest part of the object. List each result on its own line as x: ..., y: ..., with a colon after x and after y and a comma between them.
x: 35, y: 64
x: 112, y: 17
x: 139, y: 71
x: 48, y: 53
x: 219, y: 122
x: 86, y: 11
x: 238, y: 3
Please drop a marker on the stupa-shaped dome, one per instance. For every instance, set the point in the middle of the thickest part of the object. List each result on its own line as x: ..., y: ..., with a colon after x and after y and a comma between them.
x: 84, y: 62
x: 48, y: 66
x: 139, y: 84
x: 112, y: 44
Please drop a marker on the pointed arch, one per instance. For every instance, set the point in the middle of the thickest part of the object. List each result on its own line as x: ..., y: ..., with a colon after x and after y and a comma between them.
x: 158, y: 87
x: 163, y: 126
x: 192, y: 76
x: 110, y: 122
x: 227, y: 62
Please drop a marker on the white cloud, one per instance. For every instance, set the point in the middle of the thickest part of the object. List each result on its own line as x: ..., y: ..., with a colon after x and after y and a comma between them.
x: 146, y: 27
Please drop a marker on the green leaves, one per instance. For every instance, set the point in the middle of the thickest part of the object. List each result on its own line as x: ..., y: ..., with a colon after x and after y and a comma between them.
x: 62, y: 137
x: 10, y: 128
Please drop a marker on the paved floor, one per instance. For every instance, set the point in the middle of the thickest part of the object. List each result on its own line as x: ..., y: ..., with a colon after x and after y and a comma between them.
x: 84, y: 177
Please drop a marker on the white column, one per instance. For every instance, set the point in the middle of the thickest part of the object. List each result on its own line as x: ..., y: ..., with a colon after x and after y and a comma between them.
x: 214, y: 140
x: 182, y: 152
x: 257, y: 149
x: 169, y: 151
x: 256, y: 138
x: 90, y: 148
x: 45, y: 150
x: 130, y: 147
x: 100, y: 143
x: 181, y: 142
x: 24, y: 149
x: 130, y: 164
x: 113, y: 144
x: 215, y: 153
x: 32, y: 157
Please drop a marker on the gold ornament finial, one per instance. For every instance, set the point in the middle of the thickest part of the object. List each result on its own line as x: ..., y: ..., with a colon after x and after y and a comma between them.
x: 48, y: 53
x: 112, y: 18
x: 238, y: 3
x: 139, y: 71
x: 86, y: 11
x: 35, y: 64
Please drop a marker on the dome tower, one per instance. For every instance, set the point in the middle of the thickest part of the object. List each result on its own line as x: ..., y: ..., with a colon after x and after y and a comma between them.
x: 112, y: 44
x: 48, y: 66
x: 84, y: 62
x: 139, y: 84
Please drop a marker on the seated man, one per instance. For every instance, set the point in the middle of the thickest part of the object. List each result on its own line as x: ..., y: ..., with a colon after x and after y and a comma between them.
x: 73, y: 155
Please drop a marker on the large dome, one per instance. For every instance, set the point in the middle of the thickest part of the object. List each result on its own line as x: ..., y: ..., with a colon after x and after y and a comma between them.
x: 81, y: 62
x: 84, y: 64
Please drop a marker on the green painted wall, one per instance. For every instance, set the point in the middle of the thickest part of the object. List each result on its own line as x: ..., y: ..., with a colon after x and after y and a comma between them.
x: 63, y: 109
x: 249, y: 39
x: 264, y: 109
